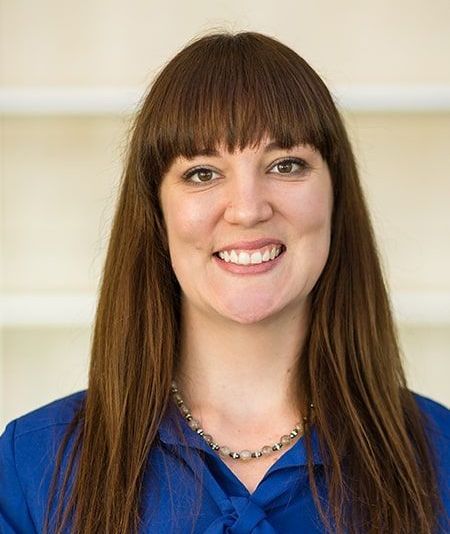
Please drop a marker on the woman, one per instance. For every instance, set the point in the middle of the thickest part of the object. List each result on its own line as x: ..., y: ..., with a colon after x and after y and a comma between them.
x: 245, y: 371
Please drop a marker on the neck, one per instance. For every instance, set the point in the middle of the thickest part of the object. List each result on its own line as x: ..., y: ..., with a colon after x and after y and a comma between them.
x: 239, y: 373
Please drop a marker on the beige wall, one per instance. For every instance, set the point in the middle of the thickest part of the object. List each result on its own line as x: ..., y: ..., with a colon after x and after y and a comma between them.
x: 60, y: 173
x: 121, y: 42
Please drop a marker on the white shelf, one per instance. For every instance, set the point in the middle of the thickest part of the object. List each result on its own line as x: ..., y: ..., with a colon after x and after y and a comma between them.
x: 47, y: 309
x: 125, y: 100
x: 404, y: 98
x: 69, y: 100
x: 416, y: 308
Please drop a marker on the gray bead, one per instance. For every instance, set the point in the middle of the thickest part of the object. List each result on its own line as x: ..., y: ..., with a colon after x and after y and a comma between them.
x: 224, y: 451
x: 245, y: 455
x: 194, y: 424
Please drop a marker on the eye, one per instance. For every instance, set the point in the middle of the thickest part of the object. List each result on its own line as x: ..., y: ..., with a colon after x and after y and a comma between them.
x: 285, y: 166
x: 204, y: 174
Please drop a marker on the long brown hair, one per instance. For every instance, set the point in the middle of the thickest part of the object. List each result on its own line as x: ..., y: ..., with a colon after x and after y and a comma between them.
x: 380, y: 469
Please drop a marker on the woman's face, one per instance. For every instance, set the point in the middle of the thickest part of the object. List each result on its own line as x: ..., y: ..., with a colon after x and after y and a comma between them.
x: 214, y: 201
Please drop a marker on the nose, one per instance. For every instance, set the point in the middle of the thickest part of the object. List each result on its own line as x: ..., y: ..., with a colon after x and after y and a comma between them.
x: 248, y: 201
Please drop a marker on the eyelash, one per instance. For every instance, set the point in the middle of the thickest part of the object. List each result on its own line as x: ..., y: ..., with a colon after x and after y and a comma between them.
x: 304, y: 167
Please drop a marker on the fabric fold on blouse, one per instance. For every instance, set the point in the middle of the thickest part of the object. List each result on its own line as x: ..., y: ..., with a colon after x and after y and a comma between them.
x: 244, y: 512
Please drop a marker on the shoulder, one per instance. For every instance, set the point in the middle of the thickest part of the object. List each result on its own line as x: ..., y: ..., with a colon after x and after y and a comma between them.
x: 57, y: 412
x: 436, y: 414
x: 37, y: 434
x: 28, y: 448
x: 437, y: 428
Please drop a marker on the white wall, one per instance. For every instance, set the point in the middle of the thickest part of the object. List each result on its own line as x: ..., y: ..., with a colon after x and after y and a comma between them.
x: 59, y: 172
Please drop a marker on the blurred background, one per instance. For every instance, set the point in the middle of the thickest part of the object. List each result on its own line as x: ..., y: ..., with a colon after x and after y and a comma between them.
x: 72, y: 75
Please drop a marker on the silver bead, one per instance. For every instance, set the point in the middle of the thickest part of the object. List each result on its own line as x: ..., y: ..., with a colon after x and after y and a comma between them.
x: 234, y: 455
x: 276, y: 446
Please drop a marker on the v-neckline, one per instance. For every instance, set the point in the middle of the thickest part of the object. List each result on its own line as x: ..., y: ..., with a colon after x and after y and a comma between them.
x: 173, y: 423
x: 278, y: 464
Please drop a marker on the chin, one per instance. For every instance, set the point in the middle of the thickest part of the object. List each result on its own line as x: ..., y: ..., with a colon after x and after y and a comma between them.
x: 250, y: 314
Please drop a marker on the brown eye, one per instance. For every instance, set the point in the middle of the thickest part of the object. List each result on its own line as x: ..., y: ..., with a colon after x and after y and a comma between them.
x: 203, y: 174
x: 285, y: 167
x: 290, y: 166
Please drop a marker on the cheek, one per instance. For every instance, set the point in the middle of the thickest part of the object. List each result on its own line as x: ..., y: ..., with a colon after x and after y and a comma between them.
x: 311, y: 210
x: 317, y: 213
x: 188, y: 222
x: 317, y: 224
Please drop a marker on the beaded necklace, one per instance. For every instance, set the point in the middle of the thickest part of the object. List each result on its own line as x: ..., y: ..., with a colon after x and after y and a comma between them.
x: 225, y: 451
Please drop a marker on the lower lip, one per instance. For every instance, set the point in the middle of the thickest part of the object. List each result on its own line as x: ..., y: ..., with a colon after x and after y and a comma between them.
x: 249, y: 269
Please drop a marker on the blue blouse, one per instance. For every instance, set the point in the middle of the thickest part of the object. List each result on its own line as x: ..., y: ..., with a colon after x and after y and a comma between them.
x: 282, y: 502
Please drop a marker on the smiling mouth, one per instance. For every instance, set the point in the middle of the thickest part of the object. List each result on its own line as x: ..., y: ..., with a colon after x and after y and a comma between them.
x: 245, y: 258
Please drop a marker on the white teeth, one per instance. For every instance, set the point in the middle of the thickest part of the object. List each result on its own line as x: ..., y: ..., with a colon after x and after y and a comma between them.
x: 244, y: 258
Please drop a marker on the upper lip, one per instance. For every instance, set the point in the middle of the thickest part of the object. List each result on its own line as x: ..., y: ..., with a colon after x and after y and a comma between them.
x: 251, y: 245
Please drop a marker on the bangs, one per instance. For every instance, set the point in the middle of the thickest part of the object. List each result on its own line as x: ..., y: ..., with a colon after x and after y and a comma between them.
x: 233, y: 91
